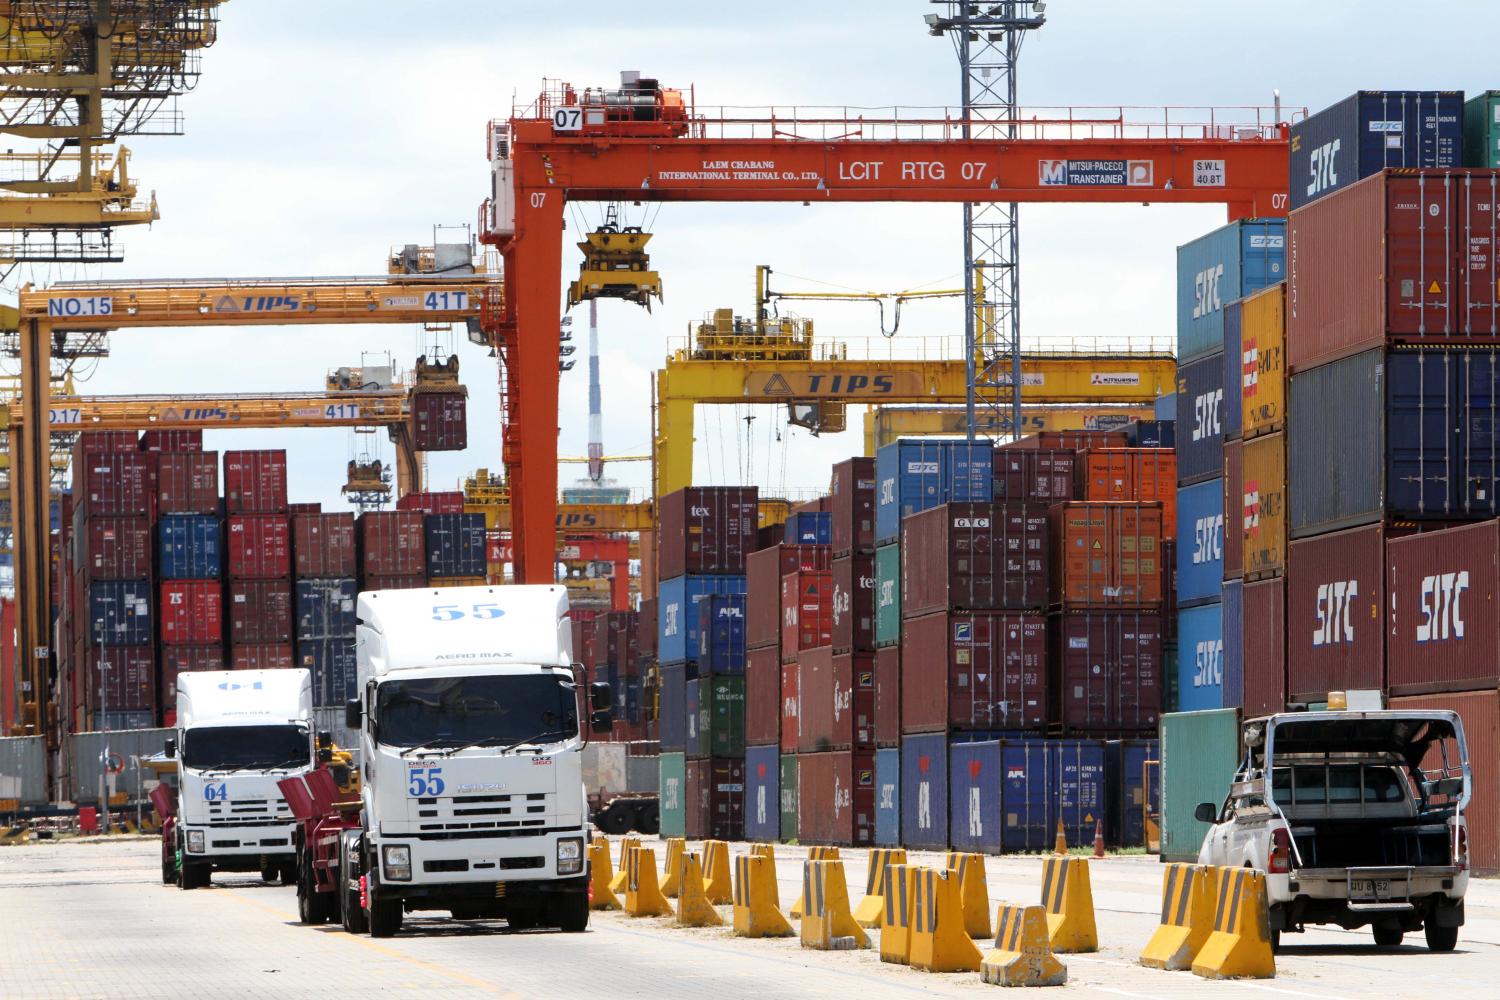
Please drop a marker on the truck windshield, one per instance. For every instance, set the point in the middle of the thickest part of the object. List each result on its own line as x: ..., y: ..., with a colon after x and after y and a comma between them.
x: 217, y: 747
x: 455, y: 711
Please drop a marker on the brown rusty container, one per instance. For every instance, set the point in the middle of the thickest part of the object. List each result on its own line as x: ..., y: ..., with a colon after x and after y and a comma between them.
x: 1261, y: 517
x: 791, y: 707
x: 836, y: 798
x: 763, y: 696
x: 1443, y: 625
x: 267, y: 656
x: 187, y: 482
x: 115, y: 483
x: 258, y: 547
x: 113, y: 548
x: 715, y: 799
x: 440, y: 421
x: 1335, y: 620
x: 1234, y: 493
x: 888, y: 696
x: 763, y: 572
x: 646, y: 629
x: 260, y: 611
x: 1110, y: 671
x: 255, y: 482
x: 171, y: 440
x: 1480, y: 713
x: 852, y: 504
x: 806, y: 612
x: 392, y: 543
x: 854, y: 602
x: 1265, y: 647
x: 974, y: 556
x: 1035, y: 477
x: 837, y: 698
x: 1106, y: 555
x: 323, y: 546
x: 1069, y: 441
x: 974, y: 670
x: 706, y: 529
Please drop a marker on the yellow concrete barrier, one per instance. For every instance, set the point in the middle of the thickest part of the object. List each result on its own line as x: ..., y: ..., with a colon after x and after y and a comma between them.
x: 974, y: 891
x: 896, y: 893
x: 1022, y: 955
x: 757, y: 909
x: 1187, y: 917
x: 676, y: 847
x: 939, y: 942
x: 870, y: 909
x: 693, y: 906
x: 1068, y: 899
x: 643, y: 896
x: 601, y: 874
x: 627, y: 844
x: 716, y: 872
x: 1240, y: 945
x: 827, y: 924
x: 763, y: 851
x: 799, y: 905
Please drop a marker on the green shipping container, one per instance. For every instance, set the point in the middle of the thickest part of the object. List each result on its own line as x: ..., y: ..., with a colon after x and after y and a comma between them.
x: 888, y: 595
x: 789, y: 796
x: 1199, y: 753
x: 1482, y: 130
x: 673, y: 795
x: 719, y: 729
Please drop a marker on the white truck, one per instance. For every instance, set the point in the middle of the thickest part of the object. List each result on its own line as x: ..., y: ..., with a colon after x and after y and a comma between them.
x: 472, y: 797
x: 238, y: 733
x: 1361, y: 823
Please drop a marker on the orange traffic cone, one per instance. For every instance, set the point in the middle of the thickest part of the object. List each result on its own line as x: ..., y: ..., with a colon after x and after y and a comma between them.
x: 1060, y: 843
x: 1098, y: 838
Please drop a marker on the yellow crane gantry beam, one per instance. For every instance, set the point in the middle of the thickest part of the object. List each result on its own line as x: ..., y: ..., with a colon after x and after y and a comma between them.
x: 70, y: 414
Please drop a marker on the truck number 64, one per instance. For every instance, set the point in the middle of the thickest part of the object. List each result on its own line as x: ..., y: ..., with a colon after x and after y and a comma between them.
x: 425, y: 781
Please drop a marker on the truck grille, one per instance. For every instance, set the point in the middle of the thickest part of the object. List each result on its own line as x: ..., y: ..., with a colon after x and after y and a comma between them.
x: 249, y: 812
x: 480, y: 813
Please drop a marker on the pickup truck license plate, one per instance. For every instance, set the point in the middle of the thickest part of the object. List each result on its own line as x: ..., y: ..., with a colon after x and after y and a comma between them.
x: 1376, y: 887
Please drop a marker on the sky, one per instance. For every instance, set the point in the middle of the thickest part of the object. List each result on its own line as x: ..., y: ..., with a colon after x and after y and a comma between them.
x: 322, y: 134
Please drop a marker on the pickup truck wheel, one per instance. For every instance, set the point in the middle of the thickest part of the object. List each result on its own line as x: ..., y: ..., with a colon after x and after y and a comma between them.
x: 648, y: 818
x: 385, y: 917
x: 571, y: 912
x: 1440, y: 938
x: 616, y: 819
x: 1387, y: 936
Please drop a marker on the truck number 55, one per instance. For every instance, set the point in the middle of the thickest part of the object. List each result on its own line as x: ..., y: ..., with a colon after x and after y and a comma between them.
x: 452, y: 612
x: 424, y: 782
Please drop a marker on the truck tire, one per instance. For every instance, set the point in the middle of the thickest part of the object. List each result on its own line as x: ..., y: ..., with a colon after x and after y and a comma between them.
x: 648, y: 818
x: 385, y: 917
x: 1441, y: 939
x: 616, y: 819
x: 193, y: 875
x: 269, y: 871
x: 571, y: 912
x: 313, y: 907
x: 1388, y: 936
x: 289, y: 871
x: 168, y: 864
x: 351, y: 915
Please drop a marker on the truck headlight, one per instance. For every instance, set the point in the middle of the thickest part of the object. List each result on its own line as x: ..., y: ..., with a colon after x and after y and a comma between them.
x: 397, y: 859
x: 570, y: 856
x: 195, y: 842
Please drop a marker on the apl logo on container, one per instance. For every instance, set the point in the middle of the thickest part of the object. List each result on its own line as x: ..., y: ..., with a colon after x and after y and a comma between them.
x: 1335, y: 625
x: 1441, y: 603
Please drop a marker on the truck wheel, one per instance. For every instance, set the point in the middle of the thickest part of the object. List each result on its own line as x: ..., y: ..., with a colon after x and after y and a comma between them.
x: 1440, y: 938
x: 616, y: 819
x: 168, y: 864
x: 385, y: 917
x: 351, y: 916
x: 193, y: 875
x: 522, y: 917
x: 1388, y: 936
x: 648, y: 818
x: 571, y: 912
x: 289, y: 872
x: 269, y: 870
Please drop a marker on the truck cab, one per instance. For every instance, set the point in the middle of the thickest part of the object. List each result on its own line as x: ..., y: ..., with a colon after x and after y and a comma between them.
x: 238, y: 733
x: 469, y: 718
x: 1361, y: 823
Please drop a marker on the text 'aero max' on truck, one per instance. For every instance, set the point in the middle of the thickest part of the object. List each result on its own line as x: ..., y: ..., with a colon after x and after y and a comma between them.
x: 471, y: 791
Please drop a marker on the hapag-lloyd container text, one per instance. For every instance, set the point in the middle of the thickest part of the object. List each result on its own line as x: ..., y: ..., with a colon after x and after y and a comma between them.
x: 1336, y: 622
x: 915, y: 475
x: 1200, y: 424
x: 974, y: 556
x: 1123, y: 474
x: 1444, y: 628
x: 1215, y: 270
x: 1370, y: 131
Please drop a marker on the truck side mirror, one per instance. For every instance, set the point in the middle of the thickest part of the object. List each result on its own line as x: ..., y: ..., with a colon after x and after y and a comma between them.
x: 170, y: 750
x: 602, y: 721
x: 352, y: 715
x: 325, y: 747
x: 601, y: 696
x: 1206, y: 812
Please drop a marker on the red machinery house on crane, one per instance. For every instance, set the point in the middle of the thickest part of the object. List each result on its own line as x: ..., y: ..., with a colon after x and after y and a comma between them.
x: 645, y: 142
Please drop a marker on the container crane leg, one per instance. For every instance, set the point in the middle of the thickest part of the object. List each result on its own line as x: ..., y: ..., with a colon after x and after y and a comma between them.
x: 31, y: 460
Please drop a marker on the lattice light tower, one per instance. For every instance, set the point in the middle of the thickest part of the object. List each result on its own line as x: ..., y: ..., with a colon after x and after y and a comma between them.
x: 987, y: 38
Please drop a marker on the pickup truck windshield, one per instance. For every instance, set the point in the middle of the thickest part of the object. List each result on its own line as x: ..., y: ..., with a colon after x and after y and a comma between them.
x: 217, y: 747
x: 455, y: 711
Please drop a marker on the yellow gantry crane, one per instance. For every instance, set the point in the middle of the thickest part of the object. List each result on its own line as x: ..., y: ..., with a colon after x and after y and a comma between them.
x: 884, y: 424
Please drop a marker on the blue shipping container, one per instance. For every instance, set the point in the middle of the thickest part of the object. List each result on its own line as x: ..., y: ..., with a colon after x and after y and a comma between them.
x: 1234, y: 643
x: 1082, y: 796
x: 888, y: 797
x: 120, y: 613
x: 721, y: 634
x: 696, y: 739
x: 335, y: 670
x: 1166, y: 407
x: 1125, y: 777
x: 1370, y: 131
x: 627, y: 697
x: 763, y: 793
x: 673, y: 708
x: 1200, y: 432
x: 917, y: 475
x: 809, y: 528
x: 1219, y: 268
x: 1151, y: 434
x: 677, y: 614
x: 325, y: 608
x: 1200, y: 658
x: 455, y: 545
x: 1200, y: 542
x: 924, y: 791
x: 1002, y: 795
x: 189, y: 547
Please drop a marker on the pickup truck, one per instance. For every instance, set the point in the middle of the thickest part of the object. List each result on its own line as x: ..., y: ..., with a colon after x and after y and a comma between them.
x: 1361, y: 824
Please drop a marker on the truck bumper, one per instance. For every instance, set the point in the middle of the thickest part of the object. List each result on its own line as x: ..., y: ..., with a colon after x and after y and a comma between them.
x: 482, y: 868
x: 1321, y: 896
x: 239, y: 848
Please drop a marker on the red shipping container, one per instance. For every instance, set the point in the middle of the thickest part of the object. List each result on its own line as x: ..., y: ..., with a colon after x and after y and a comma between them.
x: 974, y: 556
x: 1110, y: 671
x: 255, y: 482
x: 1335, y: 619
x: 763, y: 573
x: 1234, y: 506
x: 114, y: 484
x: 1143, y: 474
x: 814, y: 699
x: 852, y: 504
x: 1265, y: 647
x: 1479, y: 711
x: 296, y: 509
x: 128, y: 674
x: 113, y: 548
x: 806, y: 612
x: 836, y: 798
x: 646, y: 629
x: 1035, y: 476
x: 323, y: 546
x: 432, y: 503
x: 180, y: 439
x: 260, y: 611
x: 1106, y: 555
x: 854, y: 602
x: 762, y: 696
x: 439, y: 421
x: 1443, y: 631
x: 888, y: 696
x: 974, y: 670
x: 191, y: 612
x: 837, y: 710
x: 1069, y: 441
x: 176, y: 659
x: 266, y: 656
x: 791, y: 707
x: 405, y: 582
x: 706, y: 529
x: 96, y: 442
x: 187, y: 482
x: 392, y: 543
x: 259, y: 547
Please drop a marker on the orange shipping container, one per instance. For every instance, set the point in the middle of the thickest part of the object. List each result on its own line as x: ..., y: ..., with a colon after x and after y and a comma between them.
x: 1124, y: 474
x: 1106, y: 555
x: 1265, y: 506
x: 1263, y: 358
